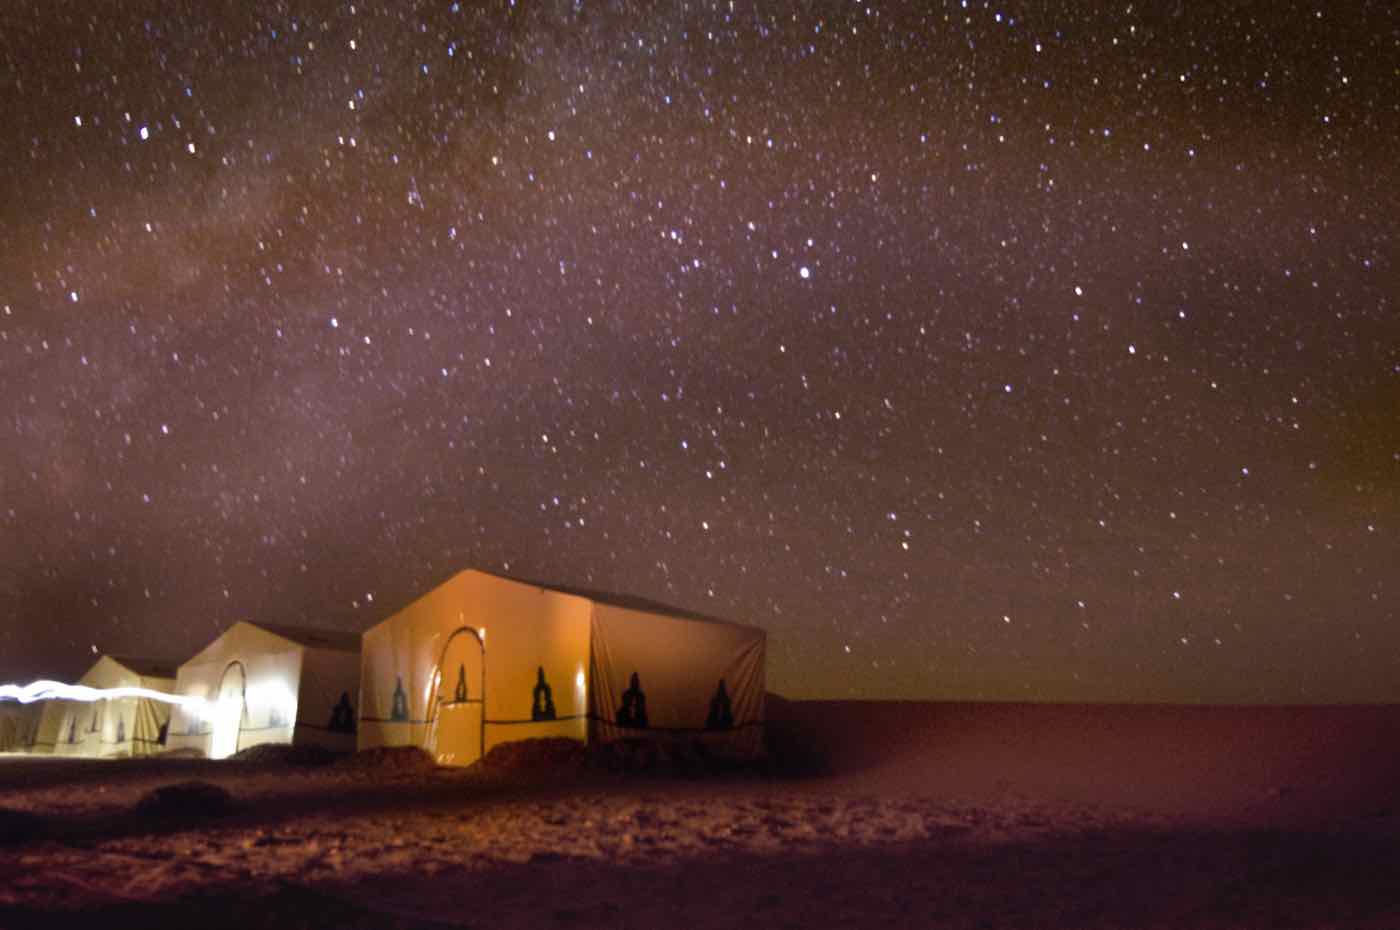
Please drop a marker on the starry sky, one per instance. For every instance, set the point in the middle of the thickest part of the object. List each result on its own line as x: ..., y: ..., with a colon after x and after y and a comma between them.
x: 1032, y: 351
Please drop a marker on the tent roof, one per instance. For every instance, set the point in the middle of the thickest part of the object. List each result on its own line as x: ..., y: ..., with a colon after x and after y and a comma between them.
x: 146, y: 668
x: 625, y: 601
x: 307, y: 636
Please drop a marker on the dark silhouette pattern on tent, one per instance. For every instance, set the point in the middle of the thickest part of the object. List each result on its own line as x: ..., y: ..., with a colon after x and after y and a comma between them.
x: 633, y: 712
x: 400, y: 708
x: 73, y: 730
x: 274, y: 716
x: 542, y: 701
x: 721, y: 716
x: 121, y: 730
x: 93, y: 728
x: 342, y: 715
x: 459, y: 694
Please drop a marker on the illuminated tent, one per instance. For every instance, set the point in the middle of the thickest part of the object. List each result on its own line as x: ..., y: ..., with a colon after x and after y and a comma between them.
x: 129, y: 726
x: 18, y: 724
x: 484, y: 660
x: 269, y: 684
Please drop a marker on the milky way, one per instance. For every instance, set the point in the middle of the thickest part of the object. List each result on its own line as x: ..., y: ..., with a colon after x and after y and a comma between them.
x: 1012, y: 351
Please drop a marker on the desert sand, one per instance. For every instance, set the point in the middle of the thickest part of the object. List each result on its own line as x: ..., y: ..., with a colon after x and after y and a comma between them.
x: 866, y: 815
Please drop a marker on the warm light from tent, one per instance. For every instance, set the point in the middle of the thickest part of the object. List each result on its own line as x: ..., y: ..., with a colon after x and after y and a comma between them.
x: 581, y: 686
x: 275, y: 699
x: 55, y: 690
x: 228, y: 720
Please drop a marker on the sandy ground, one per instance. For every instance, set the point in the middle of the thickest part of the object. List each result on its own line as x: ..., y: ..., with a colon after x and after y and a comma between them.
x: 903, y: 815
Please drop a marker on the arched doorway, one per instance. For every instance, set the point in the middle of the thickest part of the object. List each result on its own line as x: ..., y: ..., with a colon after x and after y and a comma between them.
x: 230, y: 710
x: 457, y: 729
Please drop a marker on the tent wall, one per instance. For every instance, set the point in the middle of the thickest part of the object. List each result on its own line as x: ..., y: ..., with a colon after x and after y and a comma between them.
x: 419, y: 663
x: 272, y: 687
x: 52, y: 717
x: 327, y: 676
x: 535, y: 631
x: 189, y: 727
x: 150, y: 717
x: 80, y: 732
x: 680, y: 665
x: 18, y: 725
x: 133, y: 725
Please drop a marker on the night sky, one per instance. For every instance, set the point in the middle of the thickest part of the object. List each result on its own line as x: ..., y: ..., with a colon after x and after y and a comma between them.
x: 1006, y: 351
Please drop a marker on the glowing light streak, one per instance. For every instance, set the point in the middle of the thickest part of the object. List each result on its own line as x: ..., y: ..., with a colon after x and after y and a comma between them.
x: 431, y: 687
x: 45, y: 690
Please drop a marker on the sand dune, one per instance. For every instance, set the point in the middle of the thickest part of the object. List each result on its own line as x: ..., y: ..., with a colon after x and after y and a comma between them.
x: 1263, y: 765
x: 942, y: 815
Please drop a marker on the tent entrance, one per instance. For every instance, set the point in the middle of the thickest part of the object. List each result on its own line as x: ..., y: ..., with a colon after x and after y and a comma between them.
x: 457, y: 731
x: 230, y: 709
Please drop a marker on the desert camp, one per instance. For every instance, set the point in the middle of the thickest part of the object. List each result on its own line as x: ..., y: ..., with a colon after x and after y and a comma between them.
x: 1028, y: 373
x: 479, y: 661
x: 484, y: 659
x: 856, y: 813
x: 268, y: 684
x: 116, y: 727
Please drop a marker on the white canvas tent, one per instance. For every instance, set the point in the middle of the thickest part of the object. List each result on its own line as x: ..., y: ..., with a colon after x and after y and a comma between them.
x: 483, y: 660
x: 269, y: 684
x: 129, y: 726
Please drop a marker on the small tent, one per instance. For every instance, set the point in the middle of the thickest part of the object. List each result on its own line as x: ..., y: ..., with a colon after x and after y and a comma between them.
x: 269, y: 684
x: 484, y: 659
x: 129, y: 726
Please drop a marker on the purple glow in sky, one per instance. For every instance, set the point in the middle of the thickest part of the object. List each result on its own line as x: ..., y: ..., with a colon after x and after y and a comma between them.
x: 1026, y: 351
